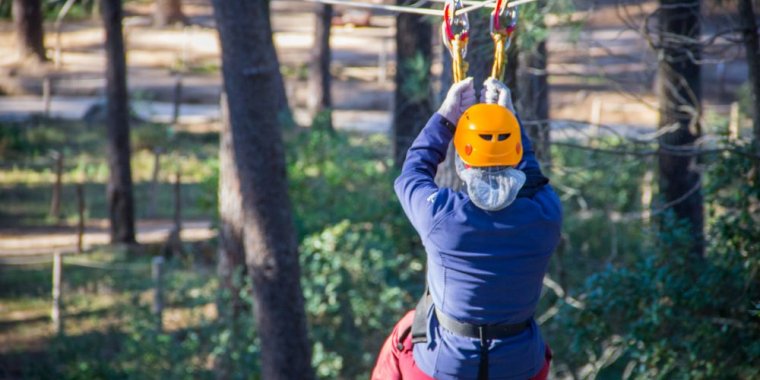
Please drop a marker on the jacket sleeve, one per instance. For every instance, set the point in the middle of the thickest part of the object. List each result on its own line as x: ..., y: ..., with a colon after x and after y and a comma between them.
x: 415, y: 187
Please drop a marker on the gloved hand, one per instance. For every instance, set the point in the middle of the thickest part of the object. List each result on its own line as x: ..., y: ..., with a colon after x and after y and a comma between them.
x: 460, y: 97
x: 495, y: 92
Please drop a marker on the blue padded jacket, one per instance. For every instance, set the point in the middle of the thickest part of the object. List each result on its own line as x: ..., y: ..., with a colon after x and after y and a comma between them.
x: 484, y: 267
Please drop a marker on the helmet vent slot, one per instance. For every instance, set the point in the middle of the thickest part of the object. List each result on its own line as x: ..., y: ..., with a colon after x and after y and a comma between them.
x: 504, y: 136
x: 486, y: 137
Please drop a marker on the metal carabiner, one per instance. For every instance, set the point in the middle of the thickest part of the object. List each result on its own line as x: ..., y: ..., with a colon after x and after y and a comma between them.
x: 503, y: 19
x: 455, y: 33
x: 503, y: 25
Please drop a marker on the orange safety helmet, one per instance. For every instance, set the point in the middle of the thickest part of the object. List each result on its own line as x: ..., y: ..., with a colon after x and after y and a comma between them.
x: 488, y: 135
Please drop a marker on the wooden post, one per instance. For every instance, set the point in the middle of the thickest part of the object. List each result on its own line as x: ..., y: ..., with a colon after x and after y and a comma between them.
x: 596, y: 114
x: 382, y: 61
x: 177, y: 97
x: 80, y: 225
x: 733, y: 122
x: 157, y: 270
x: 174, y: 242
x: 646, y: 196
x: 47, y: 94
x: 157, y: 151
x: 178, y: 201
x: 55, y: 203
x: 55, y: 313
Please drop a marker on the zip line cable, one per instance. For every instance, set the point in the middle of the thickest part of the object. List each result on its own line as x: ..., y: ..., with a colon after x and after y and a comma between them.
x: 382, y: 7
x: 475, y: 5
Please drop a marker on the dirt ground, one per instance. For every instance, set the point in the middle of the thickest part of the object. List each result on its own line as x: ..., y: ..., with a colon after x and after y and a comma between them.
x: 604, y: 72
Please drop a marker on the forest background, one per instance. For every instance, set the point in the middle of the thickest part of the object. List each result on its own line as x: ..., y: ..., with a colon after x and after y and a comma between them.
x: 203, y: 189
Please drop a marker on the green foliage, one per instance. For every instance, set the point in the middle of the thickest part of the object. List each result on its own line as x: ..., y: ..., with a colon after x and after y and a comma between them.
x: 648, y: 310
x: 323, y: 120
x: 357, y: 284
x: 532, y: 27
x: 126, y: 342
x: 23, y: 141
x: 11, y: 141
x: 416, y: 86
x: 151, y: 136
x: 361, y: 261
x: 674, y: 319
x: 744, y: 97
x: 298, y: 72
x: 28, y: 169
x: 51, y: 8
x: 80, y: 10
x: 664, y: 314
x: 594, y: 229
x: 335, y: 177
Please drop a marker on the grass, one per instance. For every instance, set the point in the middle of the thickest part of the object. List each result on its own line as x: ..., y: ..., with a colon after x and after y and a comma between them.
x: 27, y: 174
x: 99, y: 303
x: 28, y: 205
x: 106, y: 310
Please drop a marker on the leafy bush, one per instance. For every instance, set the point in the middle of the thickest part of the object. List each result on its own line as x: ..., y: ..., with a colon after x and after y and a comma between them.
x: 357, y: 284
x: 602, y: 203
x: 664, y: 314
x: 361, y: 261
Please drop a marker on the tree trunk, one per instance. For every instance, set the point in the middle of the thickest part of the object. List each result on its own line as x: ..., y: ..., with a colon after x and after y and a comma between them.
x: 30, y: 36
x: 120, y: 201
x: 231, y: 247
x: 168, y: 12
x: 55, y: 202
x: 231, y: 264
x: 319, y: 99
x: 752, y: 50
x: 533, y: 102
x: 680, y: 104
x: 254, y: 169
x: 412, y: 106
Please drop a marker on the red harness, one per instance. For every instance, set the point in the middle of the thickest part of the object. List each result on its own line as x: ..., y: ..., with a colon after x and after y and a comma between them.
x: 396, y: 360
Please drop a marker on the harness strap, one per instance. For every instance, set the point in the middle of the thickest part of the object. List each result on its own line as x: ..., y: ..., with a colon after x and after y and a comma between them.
x: 419, y: 324
x: 482, y: 332
x: 402, y: 338
x: 484, y: 343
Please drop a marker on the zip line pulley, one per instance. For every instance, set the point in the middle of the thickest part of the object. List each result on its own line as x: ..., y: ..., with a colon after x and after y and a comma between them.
x: 455, y: 30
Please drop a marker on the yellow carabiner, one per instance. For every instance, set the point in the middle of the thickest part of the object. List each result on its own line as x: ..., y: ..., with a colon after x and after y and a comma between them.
x: 503, y: 25
x: 455, y: 31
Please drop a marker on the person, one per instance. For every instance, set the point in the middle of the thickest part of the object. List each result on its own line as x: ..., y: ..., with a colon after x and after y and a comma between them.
x: 488, y: 246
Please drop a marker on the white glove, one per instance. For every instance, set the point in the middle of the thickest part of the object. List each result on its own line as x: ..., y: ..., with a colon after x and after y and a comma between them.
x: 495, y: 92
x: 460, y: 97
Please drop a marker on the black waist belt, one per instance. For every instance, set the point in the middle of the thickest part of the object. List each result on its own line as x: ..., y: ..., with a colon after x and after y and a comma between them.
x: 499, y: 331
x: 482, y: 332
